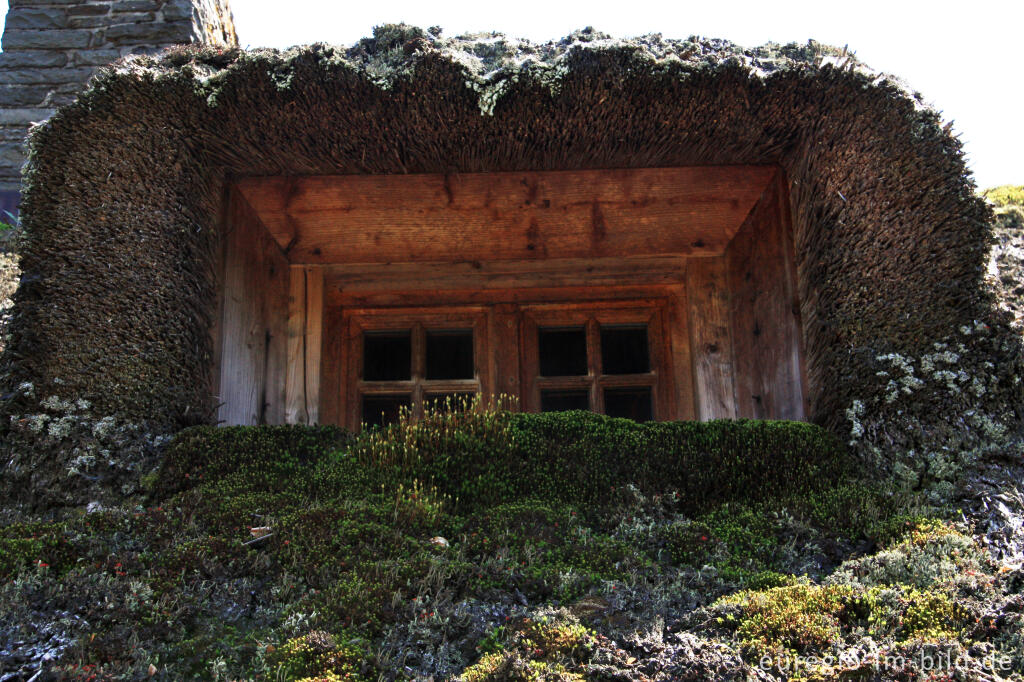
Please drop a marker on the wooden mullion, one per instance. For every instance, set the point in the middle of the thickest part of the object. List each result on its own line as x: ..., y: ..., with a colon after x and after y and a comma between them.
x: 627, y: 380
x: 483, y: 358
x: 656, y: 345
x: 386, y: 387
x: 419, y: 367
x: 564, y: 383
x: 449, y: 385
x: 355, y: 373
x: 530, y: 366
x: 593, y: 331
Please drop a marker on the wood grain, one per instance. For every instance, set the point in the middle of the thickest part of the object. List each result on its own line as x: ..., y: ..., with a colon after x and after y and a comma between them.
x: 707, y: 297
x: 305, y: 341
x: 764, y: 315
x: 255, y: 303
x: 506, y: 216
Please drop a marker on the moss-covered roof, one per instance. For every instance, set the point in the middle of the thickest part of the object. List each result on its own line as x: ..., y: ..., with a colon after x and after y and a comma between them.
x: 125, y: 187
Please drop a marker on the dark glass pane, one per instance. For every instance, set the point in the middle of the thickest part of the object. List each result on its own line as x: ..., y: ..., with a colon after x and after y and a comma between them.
x: 387, y: 356
x: 560, y: 401
x: 450, y: 354
x: 563, y: 352
x: 443, y: 402
x: 624, y: 350
x: 379, y: 410
x: 632, y: 403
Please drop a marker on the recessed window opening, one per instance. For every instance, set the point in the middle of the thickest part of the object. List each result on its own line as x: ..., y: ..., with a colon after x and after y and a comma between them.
x: 387, y: 356
x: 449, y: 354
x: 595, y: 359
x: 624, y: 350
x: 562, y: 401
x: 631, y: 403
x: 563, y: 352
x: 380, y: 410
x: 415, y: 362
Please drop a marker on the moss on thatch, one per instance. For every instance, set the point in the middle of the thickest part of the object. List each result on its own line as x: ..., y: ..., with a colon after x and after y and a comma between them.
x: 124, y: 189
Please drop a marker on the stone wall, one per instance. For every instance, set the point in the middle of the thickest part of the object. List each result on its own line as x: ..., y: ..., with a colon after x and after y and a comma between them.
x: 52, y: 47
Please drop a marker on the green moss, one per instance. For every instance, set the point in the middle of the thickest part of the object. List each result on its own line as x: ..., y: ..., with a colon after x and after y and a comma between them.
x: 906, y: 613
x: 916, y: 528
x: 924, y: 554
x: 796, y: 618
x: 586, y: 459
x: 319, y: 655
x: 535, y: 649
x: 316, y: 531
x: 272, y: 453
x: 44, y: 546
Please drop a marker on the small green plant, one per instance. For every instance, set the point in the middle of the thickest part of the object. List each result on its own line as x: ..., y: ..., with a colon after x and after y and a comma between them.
x: 535, y: 649
x: 319, y: 655
x: 907, y: 613
x: 795, y: 618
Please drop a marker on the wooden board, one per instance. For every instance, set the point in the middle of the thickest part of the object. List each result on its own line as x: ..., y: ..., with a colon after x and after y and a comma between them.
x: 254, y: 316
x: 506, y: 216
x: 765, y: 315
x: 496, y: 275
x: 680, y: 358
x: 305, y: 339
x: 707, y: 298
x: 505, y: 323
x: 386, y: 299
x: 331, y: 379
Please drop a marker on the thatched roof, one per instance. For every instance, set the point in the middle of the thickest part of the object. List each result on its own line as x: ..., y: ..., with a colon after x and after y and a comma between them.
x: 124, y: 191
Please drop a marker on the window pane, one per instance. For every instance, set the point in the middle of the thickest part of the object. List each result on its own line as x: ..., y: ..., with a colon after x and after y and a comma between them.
x: 632, y: 403
x: 560, y: 401
x: 624, y: 350
x: 445, y: 402
x: 450, y: 354
x: 387, y: 356
x: 563, y: 352
x: 379, y: 410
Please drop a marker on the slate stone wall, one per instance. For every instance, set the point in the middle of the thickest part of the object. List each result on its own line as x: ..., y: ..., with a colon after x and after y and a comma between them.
x: 52, y: 47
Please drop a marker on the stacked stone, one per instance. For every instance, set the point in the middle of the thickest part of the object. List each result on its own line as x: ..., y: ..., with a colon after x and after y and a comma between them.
x: 52, y: 47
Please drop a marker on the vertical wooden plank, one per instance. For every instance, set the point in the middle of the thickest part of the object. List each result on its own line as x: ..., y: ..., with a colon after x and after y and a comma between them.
x: 274, y: 301
x: 505, y: 342
x: 707, y: 297
x: 483, y: 358
x: 331, y: 382
x: 593, y: 334
x: 530, y: 368
x: 766, y: 331
x: 677, y: 335
x: 353, y: 373
x: 255, y: 277
x: 313, y: 341
x: 295, y: 391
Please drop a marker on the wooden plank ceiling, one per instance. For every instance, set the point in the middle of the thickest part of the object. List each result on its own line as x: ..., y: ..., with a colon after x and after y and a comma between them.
x: 516, y: 216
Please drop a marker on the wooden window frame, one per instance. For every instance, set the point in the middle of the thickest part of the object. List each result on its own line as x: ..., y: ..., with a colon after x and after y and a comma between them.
x: 418, y: 321
x: 592, y: 316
